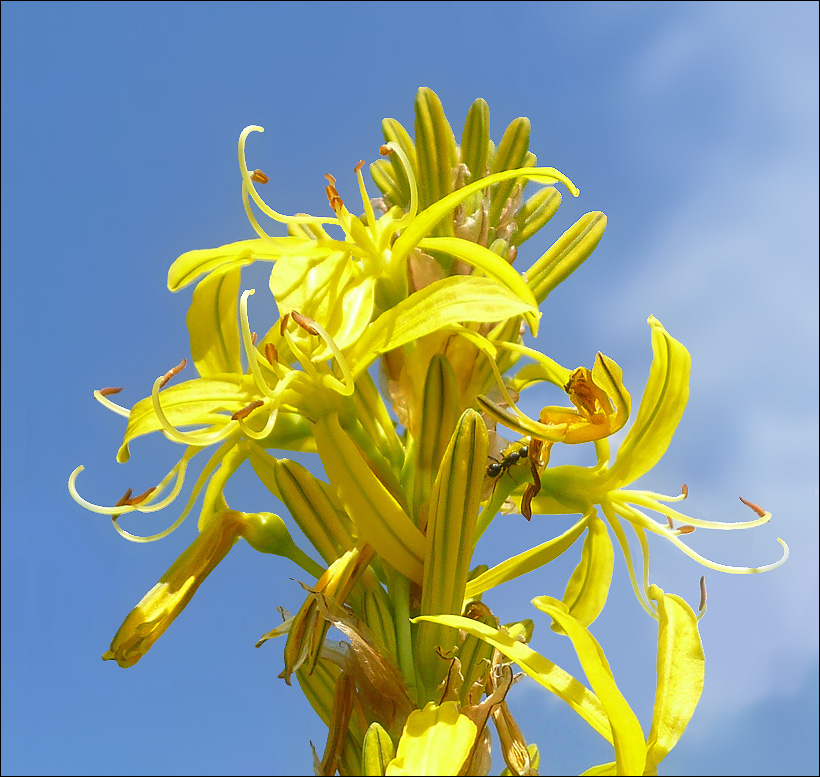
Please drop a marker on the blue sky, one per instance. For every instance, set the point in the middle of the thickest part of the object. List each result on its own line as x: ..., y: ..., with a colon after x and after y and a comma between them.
x: 693, y: 126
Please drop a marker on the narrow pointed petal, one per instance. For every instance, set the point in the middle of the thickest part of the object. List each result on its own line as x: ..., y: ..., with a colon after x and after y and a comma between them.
x: 525, y: 562
x: 543, y: 671
x: 491, y: 263
x: 662, y: 405
x: 680, y: 674
x: 628, y: 740
x: 588, y: 587
x: 435, y: 307
x: 212, y: 323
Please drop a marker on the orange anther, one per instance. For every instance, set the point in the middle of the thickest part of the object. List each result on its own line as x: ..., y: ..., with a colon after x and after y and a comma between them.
x: 142, y: 497
x: 385, y: 150
x: 684, y: 489
x: 283, y: 324
x: 686, y: 529
x: 330, y: 179
x: 173, y: 371
x: 757, y: 508
x: 359, y: 167
x: 669, y: 523
x: 246, y: 411
x: 304, y: 322
x: 253, y: 338
x: 123, y: 500
x: 271, y: 354
x: 107, y: 392
x: 259, y: 177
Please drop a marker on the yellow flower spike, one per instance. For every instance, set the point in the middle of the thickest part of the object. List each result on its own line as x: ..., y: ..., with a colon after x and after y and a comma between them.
x: 450, y: 539
x: 148, y: 621
x: 379, y: 518
x: 628, y: 740
x: 436, y: 740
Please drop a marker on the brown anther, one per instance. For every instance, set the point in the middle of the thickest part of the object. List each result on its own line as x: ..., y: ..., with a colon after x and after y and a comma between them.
x: 253, y: 338
x: 304, y: 322
x: 686, y: 529
x: 135, y: 500
x: 385, y: 150
x: 283, y: 324
x: 271, y: 354
x: 257, y: 176
x: 669, y: 523
x: 173, y: 371
x: 684, y: 489
x: 757, y: 508
x: 359, y: 167
x: 246, y: 411
x: 702, y: 605
x: 107, y: 392
x: 123, y: 500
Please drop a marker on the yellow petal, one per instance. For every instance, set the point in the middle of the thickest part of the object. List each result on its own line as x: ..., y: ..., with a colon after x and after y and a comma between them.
x: 630, y: 748
x: 680, y: 674
x: 436, y: 740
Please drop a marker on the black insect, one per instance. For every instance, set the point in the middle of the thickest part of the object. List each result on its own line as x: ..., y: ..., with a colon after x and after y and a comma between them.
x: 496, y: 468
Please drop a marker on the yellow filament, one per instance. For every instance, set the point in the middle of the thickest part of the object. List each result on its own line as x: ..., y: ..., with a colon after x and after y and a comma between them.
x: 112, y: 406
x: 263, y: 206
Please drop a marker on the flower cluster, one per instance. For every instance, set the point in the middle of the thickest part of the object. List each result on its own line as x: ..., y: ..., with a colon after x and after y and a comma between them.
x: 423, y: 286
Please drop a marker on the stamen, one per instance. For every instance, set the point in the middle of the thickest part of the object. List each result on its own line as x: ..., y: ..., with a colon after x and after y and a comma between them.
x: 246, y: 411
x: 332, y: 194
x: 684, y: 489
x: 759, y: 510
x: 283, y: 324
x: 368, y: 207
x: 271, y: 354
x: 266, y: 429
x: 173, y: 371
x: 200, y: 482
x: 685, y: 529
x: 669, y: 523
x: 253, y: 338
x: 259, y: 177
x: 248, y: 182
x: 304, y: 322
x: 107, y: 392
x: 250, y: 351
x: 702, y: 604
x: 142, y: 497
x: 123, y: 500
x: 412, y: 210
x: 346, y: 385
x: 112, y: 406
